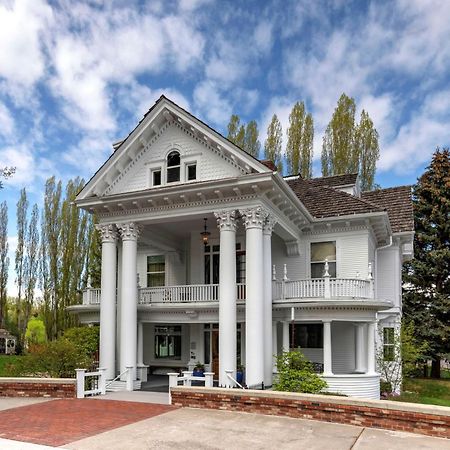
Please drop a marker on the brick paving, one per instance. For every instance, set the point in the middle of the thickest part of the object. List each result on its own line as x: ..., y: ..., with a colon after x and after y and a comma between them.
x: 60, y: 422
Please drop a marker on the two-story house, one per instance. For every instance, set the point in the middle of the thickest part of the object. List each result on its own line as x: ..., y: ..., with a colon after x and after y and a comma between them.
x: 211, y: 255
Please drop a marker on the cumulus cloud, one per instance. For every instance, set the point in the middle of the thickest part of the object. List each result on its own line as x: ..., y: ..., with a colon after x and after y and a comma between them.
x: 6, y: 121
x: 211, y: 103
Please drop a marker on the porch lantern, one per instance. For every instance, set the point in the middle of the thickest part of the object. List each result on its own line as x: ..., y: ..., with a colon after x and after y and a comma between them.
x: 205, y: 233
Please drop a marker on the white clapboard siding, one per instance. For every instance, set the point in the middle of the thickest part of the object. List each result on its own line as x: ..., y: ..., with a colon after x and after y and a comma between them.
x: 343, y: 345
x: 388, y: 278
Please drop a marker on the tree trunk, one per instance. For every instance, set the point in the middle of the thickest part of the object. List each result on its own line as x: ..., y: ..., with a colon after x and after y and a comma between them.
x: 436, y: 368
x: 425, y: 370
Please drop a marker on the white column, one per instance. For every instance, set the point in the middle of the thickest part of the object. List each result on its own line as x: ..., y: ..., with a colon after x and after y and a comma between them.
x: 119, y: 305
x: 371, y: 347
x: 267, y: 267
x: 140, y: 344
x: 128, y: 320
x: 327, y: 356
x: 226, y: 222
x: 274, y: 346
x: 286, y: 336
x: 108, y: 300
x: 254, y: 304
x: 359, y: 348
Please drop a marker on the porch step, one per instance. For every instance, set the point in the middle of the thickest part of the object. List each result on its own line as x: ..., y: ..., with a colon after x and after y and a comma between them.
x: 117, y: 386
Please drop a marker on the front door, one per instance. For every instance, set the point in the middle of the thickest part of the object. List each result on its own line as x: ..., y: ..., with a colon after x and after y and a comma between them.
x: 215, y: 353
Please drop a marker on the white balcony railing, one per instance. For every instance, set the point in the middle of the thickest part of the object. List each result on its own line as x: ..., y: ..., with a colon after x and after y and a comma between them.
x: 325, y: 288
x: 322, y: 288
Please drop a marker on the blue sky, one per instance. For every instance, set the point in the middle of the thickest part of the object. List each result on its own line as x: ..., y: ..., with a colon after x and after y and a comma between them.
x: 76, y: 76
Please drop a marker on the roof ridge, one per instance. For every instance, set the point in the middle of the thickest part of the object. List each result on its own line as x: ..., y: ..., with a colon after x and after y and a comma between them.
x: 332, y: 176
x: 387, y: 189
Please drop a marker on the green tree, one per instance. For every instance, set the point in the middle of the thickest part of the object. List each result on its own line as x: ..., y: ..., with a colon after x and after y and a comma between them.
x: 299, y: 147
x: 236, y: 131
x: 251, y: 140
x: 339, y: 152
x: 31, y: 262
x: 274, y: 141
x: 296, y: 374
x: 4, y: 261
x: 22, y: 210
x: 426, y: 291
x: 366, y: 141
x: 35, y: 333
x: 94, y: 263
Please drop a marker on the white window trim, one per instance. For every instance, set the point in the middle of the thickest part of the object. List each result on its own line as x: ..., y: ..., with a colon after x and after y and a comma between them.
x: 318, y: 241
x: 165, y: 267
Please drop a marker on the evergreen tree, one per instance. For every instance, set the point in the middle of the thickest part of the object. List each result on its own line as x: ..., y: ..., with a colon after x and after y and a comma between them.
x: 4, y: 261
x: 299, y: 147
x: 22, y: 209
x: 339, y: 152
x: 426, y: 298
x: 251, y: 140
x: 366, y: 137
x: 274, y: 141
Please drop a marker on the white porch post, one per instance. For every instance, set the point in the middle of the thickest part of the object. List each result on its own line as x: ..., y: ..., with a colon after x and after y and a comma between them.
x: 274, y: 346
x: 227, y: 296
x: 359, y: 348
x: 108, y: 300
x: 140, y: 344
x: 327, y: 356
x: 268, y: 327
x: 286, y: 336
x: 254, y: 304
x: 128, y: 326
x: 371, y: 347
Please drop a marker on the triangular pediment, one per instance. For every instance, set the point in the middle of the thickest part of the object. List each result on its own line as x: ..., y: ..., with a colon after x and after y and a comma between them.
x: 164, y: 129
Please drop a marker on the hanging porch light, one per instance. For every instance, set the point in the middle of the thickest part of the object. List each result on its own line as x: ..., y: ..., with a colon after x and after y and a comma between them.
x: 205, y: 233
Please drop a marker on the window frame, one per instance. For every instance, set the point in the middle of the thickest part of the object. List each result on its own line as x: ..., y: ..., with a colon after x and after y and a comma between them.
x: 173, y: 167
x: 186, y: 171
x: 389, y: 344
x: 322, y: 262
x: 148, y: 273
x: 172, y: 334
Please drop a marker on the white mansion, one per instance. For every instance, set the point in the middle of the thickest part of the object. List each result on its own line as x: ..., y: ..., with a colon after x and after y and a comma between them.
x: 210, y: 255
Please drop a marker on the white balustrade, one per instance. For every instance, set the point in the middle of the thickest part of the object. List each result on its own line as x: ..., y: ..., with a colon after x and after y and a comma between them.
x: 180, y: 294
x: 91, y: 296
x: 91, y: 383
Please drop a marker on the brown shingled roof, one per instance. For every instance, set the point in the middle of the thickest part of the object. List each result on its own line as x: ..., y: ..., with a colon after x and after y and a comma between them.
x: 335, y: 180
x: 397, y: 201
x: 328, y: 202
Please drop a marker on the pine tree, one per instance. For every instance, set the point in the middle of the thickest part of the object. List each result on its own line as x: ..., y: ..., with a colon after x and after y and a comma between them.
x: 339, y: 152
x: 426, y: 298
x: 251, y: 139
x: 22, y: 209
x: 366, y: 141
x: 274, y: 141
x: 299, y: 147
x: 4, y: 261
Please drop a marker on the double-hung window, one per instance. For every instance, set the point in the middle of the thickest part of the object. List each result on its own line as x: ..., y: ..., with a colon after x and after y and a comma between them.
x: 173, y: 167
x: 156, y: 271
x: 389, y: 344
x: 321, y: 252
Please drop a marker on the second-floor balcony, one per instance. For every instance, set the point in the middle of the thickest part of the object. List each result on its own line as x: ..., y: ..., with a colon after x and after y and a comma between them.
x: 288, y: 290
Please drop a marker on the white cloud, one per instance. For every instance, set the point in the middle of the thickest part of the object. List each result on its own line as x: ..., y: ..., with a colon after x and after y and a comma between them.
x: 191, y: 5
x: 21, y: 25
x: 211, y: 103
x: 263, y: 36
x: 6, y: 121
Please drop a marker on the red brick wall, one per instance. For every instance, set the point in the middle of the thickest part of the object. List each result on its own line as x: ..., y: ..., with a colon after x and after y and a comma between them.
x: 366, y: 414
x: 38, y: 389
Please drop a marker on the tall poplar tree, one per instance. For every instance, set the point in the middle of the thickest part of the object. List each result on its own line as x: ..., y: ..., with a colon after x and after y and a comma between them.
x: 339, y: 152
x: 274, y: 141
x: 236, y: 131
x: 300, y: 136
x: 366, y: 141
x: 31, y: 264
x: 426, y: 291
x: 4, y: 261
x: 22, y: 210
x: 251, y: 139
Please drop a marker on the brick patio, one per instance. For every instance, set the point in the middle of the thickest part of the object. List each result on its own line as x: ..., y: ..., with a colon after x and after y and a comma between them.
x: 60, y: 422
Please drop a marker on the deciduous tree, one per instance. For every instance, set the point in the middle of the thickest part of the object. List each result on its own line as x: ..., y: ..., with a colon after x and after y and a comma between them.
x: 251, y: 140
x: 236, y: 131
x: 274, y: 141
x: 4, y: 261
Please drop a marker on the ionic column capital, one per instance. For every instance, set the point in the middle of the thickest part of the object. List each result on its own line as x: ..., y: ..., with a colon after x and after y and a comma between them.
x: 128, y: 231
x: 254, y: 217
x: 268, y: 225
x: 108, y: 232
x: 226, y: 220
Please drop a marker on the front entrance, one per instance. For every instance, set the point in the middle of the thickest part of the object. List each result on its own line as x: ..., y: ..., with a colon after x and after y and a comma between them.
x: 215, y: 353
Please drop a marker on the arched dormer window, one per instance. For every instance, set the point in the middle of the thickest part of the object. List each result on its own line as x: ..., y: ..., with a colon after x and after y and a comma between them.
x: 173, y: 166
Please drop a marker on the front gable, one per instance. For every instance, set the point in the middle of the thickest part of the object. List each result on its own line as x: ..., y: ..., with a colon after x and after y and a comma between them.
x: 164, y: 129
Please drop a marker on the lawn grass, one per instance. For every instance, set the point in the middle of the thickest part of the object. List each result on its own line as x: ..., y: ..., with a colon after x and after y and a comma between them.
x: 5, y: 360
x: 425, y: 390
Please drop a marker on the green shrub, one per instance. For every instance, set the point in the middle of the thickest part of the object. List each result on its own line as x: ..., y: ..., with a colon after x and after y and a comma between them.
x: 296, y: 374
x: 35, y: 332
x: 86, y: 339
